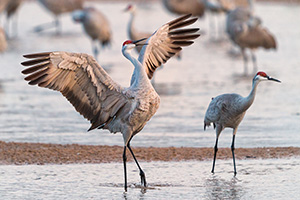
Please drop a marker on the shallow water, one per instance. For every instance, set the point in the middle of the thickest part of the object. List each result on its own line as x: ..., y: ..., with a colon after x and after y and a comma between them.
x: 256, y: 179
x: 32, y: 114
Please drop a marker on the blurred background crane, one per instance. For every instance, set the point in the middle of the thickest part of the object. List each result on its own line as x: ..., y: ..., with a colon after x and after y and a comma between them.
x: 96, y: 26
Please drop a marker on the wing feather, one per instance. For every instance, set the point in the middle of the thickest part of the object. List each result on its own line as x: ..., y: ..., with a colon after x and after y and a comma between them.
x: 166, y: 42
x: 81, y: 80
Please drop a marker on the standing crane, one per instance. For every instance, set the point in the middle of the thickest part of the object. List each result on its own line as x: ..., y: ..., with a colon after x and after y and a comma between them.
x: 228, y: 110
x: 101, y: 100
x: 58, y: 7
x: 246, y: 31
x: 179, y: 7
x: 3, y: 43
x: 95, y: 25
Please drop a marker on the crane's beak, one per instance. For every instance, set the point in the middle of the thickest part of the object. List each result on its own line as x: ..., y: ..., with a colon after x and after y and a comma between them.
x: 273, y: 79
x: 139, y: 42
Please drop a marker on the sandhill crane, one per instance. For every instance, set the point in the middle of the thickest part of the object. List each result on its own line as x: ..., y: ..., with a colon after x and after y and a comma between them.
x: 246, y: 31
x: 101, y: 100
x: 3, y: 43
x: 58, y: 7
x: 228, y: 110
x: 95, y: 25
x: 179, y: 7
x: 11, y: 8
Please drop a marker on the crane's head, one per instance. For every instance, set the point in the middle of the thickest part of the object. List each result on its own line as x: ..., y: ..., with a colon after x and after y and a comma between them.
x: 129, y: 44
x: 262, y: 76
x: 130, y: 8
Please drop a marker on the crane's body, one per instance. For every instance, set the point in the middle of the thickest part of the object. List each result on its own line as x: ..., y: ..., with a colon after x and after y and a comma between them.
x: 245, y: 30
x: 180, y: 7
x: 95, y: 25
x: 228, y: 110
x: 102, y: 101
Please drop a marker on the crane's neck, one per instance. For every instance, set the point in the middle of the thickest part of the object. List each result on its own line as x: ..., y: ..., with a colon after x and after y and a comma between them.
x: 139, y: 77
x: 130, y: 27
x: 250, y: 98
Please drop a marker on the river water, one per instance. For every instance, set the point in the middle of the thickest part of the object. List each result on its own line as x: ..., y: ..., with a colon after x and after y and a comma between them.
x: 32, y: 114
x: 256, y: 179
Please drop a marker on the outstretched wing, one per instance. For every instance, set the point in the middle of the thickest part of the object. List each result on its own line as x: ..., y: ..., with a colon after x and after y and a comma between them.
x: 166, y: 42
x: 81, y: 80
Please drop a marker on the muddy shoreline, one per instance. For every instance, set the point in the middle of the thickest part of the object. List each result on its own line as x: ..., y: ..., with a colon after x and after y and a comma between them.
x: 39, y: 153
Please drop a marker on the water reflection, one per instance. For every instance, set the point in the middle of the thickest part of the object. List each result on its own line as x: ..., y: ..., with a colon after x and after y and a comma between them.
x: 219, y: 188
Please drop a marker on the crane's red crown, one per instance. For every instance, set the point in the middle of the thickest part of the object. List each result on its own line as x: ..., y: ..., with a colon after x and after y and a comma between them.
x: 129, y: 7
x: 263, y: 74
x: 127, y: 42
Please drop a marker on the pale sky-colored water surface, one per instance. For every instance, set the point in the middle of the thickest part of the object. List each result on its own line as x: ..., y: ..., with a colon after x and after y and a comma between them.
x: 32, y: 114
x: 256, y: 179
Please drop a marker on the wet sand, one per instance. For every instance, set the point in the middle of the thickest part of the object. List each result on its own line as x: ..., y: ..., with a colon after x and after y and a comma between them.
x: 39, y: 153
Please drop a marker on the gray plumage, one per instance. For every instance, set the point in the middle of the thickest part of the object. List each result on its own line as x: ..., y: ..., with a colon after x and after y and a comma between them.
x: 179, y: 7
x: 95, y: 25
x: 102, y: 101
x: 246, y: 31
x: 58, y: 7
x: 228, y: 110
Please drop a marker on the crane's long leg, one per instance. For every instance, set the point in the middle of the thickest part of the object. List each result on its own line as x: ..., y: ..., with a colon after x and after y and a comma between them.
x: 215, y: 155
x: 125, y: 171
x: 218, y: 132
x: 254, y: 61
x: 142, y: 174
x: 245, y: 58
x: 233, y: 157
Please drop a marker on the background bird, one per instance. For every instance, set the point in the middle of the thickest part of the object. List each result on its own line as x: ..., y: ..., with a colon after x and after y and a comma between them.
x: 228, y: 110
x: 132, y: 32
x: 245, y: 30
x: 96, y: 26
x: 58, y: 7
x: 101, y: 100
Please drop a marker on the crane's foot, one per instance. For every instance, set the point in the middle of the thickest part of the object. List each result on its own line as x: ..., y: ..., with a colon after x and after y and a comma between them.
x: 143, y: 178
x: 234, y: 174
